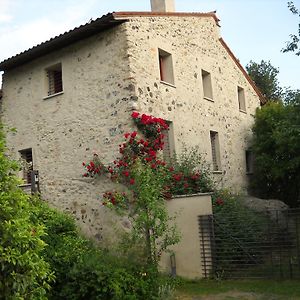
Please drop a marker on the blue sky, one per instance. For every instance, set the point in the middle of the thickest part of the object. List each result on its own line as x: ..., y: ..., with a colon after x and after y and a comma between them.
x: 253, y: 29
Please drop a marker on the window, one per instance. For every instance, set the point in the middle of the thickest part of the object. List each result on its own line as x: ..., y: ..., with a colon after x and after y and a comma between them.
x: 27, y: 162
x: 249, y: 161
x: 165, y: 66
x: 54, y: 79
x: 206, y: 83
x: 168, y: 150
x: 241, y: 99
x: 215, y: 150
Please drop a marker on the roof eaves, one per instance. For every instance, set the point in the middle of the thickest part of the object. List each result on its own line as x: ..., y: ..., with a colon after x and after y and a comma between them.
x: 256, y: 89
x: 126, y: 14
x: 60, y: 41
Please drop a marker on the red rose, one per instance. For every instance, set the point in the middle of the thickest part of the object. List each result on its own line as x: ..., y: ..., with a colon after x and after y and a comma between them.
x: 126, y: 173
x: 126, y: 135
x: 135, y: 115
x: 131, y: 181
x: 133, y: 135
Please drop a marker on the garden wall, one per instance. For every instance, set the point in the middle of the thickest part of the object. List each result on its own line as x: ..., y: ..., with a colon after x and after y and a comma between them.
x: 188, y: 250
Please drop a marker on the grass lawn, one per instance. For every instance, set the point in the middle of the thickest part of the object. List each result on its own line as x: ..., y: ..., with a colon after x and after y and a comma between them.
x: 238, y: 289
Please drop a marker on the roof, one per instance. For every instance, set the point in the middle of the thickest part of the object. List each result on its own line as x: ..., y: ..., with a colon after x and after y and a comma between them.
x: 237, y: 62
x: 62, y: 40
x: 122, y: 14
x: 84, y: 31
x: 103, y: 23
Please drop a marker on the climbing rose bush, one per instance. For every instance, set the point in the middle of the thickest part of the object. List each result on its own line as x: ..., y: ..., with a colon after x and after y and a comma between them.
x: 181, y: 178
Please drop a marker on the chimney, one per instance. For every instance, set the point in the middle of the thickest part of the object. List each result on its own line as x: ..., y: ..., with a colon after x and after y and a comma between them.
x: 162, y: 6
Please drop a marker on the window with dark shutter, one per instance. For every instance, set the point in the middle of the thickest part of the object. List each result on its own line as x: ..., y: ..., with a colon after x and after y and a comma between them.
x: 215, y: 150
x: 54, y: 78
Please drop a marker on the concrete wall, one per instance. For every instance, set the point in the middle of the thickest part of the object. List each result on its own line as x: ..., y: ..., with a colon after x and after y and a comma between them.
x: 188, y: 250
x: 194, y: 45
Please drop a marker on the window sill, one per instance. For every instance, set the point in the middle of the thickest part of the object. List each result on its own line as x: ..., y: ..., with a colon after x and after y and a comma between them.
x: 217, y: 172
x: 243, y: 111
x: 209, y: 99
x: 24, y: 185
x: 167, y: 83
x: 53, y: 95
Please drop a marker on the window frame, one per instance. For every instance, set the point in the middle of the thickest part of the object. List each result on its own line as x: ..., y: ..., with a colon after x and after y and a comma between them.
x: 249, y: 158
x: 169, y: 151
x: 215, y: 151
x: 241, y: 99
x: 26, y: 172
x: 54, y: 80
x: 166, y: 68
x: 207, y: 85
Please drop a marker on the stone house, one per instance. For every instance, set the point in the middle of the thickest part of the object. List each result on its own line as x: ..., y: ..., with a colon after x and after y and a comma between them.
x: 75, y: 93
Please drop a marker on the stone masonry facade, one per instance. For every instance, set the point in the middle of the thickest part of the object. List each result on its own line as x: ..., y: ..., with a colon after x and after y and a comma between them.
x: 107, y: 76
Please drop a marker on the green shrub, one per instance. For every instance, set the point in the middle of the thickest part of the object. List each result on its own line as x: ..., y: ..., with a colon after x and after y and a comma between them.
x: 65, y: 247
x: 103, y: 276
x: 24, y: 273
x: 189, y: 173
x: 238, y: 230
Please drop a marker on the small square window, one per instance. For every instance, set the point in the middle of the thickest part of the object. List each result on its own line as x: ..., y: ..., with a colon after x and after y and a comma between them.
x: 249, y: 161
x: 206, y: 84
x: 27, y: 162
x: 215, y: 150
x: 241, y: 99
x: 166, y: 67
x: 54, y: 79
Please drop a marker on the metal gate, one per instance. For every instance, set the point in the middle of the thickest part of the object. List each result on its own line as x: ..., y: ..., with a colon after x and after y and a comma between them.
x: 270, y: 250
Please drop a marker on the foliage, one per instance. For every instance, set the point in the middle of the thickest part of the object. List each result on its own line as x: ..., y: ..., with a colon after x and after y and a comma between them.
x: 188, y: 174
x: 291, y: 97
x: 293, y: 45
x: 265, y: 77
x: 237, y: 230
x: 102, y: 276
x: 24, y: 273
x: 65, y: 247
x: 276, y: 147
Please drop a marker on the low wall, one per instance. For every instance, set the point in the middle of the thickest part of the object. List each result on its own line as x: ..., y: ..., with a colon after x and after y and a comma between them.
x: 188, y: 250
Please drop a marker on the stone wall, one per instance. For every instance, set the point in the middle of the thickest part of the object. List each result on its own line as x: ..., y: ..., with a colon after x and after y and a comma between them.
x: 104, y: 78
x: 194, y: 44
x: 91, y: 115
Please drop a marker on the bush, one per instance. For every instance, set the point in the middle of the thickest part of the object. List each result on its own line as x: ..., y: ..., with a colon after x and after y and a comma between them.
x: 65, y: 247
x: 24, y: 273
x: 103, y: 276
x: 189, y: 174
x: 238, y: 230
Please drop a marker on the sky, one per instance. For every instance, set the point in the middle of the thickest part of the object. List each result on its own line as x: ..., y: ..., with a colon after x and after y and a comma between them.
x: 254, y: 29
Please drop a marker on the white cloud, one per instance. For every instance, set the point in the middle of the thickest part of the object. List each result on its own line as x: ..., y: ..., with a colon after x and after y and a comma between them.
x: 6, y: 8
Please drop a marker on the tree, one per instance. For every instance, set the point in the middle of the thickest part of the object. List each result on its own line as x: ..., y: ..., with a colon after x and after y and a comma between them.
x: 294, y: 44
x: 24, y: 273
x: 276, y: 147
x: 265, y: 77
